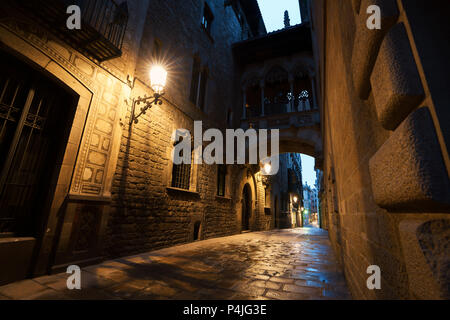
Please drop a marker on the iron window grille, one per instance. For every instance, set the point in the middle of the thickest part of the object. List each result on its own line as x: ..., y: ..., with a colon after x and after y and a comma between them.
x: 181, y: 175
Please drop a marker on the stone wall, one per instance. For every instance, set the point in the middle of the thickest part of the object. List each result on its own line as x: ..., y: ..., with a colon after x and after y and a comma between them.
x: 385, y: 157
x: 146, y: 213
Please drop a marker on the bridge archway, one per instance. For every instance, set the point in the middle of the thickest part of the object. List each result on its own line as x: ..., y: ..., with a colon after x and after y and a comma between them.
x: 306, y: 140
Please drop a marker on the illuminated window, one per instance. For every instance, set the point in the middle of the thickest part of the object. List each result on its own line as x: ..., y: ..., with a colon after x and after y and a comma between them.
x: 207, y: 19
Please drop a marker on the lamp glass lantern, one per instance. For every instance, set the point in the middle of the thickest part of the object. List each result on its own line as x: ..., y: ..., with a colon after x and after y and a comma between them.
x: 267, y: 168
x: 158, y: 78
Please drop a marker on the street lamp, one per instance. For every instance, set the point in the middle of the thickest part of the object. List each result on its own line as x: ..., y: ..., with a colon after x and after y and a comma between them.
x: 158, y: 78
x: 267, y: 168
x: 295, y: 199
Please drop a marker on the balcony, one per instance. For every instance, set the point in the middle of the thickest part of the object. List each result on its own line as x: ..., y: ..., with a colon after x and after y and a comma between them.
x: 283, y: 120
x: 103, y: 24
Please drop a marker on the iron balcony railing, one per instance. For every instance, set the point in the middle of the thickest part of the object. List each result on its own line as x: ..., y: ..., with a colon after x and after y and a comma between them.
x: 103, y: 24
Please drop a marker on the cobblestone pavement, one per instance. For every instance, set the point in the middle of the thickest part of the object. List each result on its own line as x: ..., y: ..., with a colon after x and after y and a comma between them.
x: 280, y: 264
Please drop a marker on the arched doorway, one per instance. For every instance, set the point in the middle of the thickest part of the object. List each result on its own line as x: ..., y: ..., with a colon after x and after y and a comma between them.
x: 36, y: 115
x: 246, y: 207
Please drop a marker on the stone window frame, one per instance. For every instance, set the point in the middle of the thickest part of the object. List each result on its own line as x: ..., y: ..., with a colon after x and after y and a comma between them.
x: 193, y: 179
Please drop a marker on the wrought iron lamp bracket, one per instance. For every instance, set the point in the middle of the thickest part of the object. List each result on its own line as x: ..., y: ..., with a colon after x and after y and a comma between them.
x: 149, y: 101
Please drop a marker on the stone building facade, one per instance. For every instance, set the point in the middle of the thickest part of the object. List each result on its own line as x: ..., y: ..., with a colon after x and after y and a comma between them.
x: 384, y: 109
x: 70, y: 219
x: 112, y: 191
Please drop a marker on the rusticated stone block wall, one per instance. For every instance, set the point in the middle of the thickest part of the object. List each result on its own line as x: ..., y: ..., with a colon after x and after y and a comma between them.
x: 386, y: 168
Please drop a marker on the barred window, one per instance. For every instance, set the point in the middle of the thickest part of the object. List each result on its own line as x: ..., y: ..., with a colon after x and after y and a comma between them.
x: 181, y: 175
x: 221, y: 175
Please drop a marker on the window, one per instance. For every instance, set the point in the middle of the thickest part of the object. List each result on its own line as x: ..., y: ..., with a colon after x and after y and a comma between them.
x: 181, y: 175
x: 198, y: 84
x: 207, y: 19
x: 156, y: 52
x: 221, y: 175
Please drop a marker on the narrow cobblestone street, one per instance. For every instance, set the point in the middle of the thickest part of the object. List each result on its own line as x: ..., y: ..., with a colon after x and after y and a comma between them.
x: 292, y: 264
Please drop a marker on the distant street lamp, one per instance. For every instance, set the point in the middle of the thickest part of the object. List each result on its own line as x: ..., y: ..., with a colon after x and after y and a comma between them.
x: 158, y: 78
x: 267, y: 168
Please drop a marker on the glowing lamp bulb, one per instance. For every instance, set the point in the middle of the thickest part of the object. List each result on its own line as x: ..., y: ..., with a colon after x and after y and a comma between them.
x: 158, y: 77
x: 295, y: 199
x: 267, y: 168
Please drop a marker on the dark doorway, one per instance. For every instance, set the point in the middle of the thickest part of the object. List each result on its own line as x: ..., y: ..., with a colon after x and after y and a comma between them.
x: 246, y: 207
x: 36, y: 115
x: 197, y: 230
